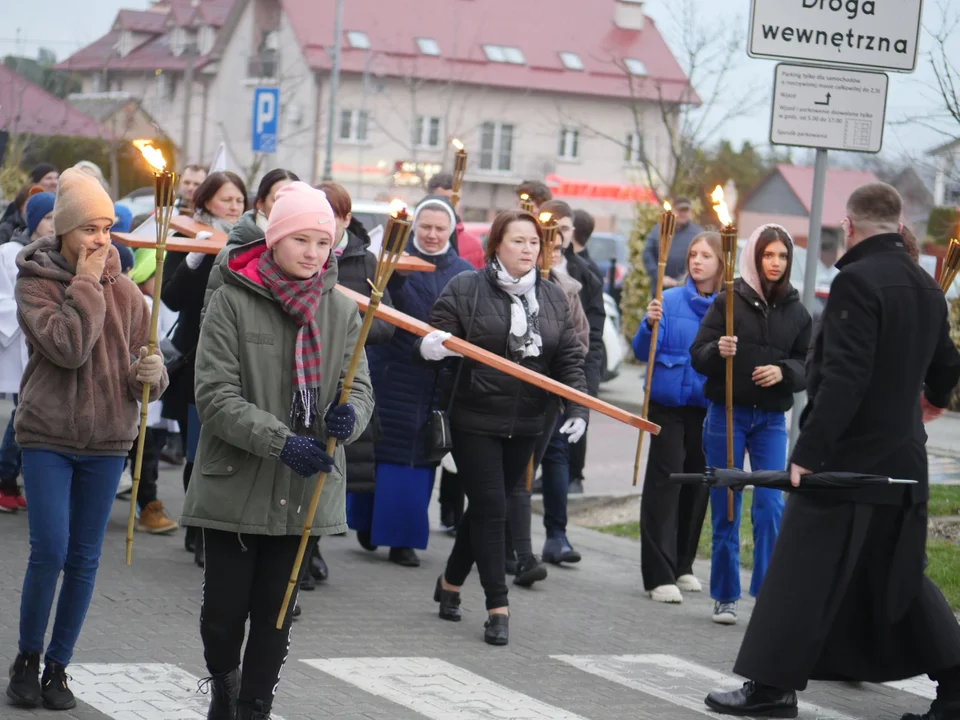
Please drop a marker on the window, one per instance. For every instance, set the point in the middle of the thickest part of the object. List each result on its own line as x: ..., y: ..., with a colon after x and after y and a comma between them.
x: 206, y: 39
x: 354, y: 125
x: 635, y: 67
x: 426, y: 132
x: 501, y: 54
x: 428, y: 46
x: 634, y: 149
x: 358, y: 40
x: 96, y: 83
x: 125, y: 43
x: 178, y: 41
x: 571, y: 61
x: 569, y: 144
x: 496, y: 147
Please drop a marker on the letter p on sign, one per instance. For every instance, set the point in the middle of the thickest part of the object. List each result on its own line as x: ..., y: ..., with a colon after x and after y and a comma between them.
x: 266, y: 105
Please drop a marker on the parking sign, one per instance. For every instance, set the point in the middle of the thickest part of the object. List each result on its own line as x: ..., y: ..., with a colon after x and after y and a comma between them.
x: 266, y: 112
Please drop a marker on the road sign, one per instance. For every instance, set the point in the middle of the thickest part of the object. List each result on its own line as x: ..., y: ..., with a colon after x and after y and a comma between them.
x: 869, y: 34
x: 266, y: 112
x: 829, y: 109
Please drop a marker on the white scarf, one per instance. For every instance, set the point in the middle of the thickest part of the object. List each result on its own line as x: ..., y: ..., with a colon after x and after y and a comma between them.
x: 525, y: 340
x: 420, y: 250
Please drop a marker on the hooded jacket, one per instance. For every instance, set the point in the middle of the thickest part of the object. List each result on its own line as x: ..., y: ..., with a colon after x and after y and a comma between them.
x: 767, y: 334
x: 79, y: 390
x: 244, y: 388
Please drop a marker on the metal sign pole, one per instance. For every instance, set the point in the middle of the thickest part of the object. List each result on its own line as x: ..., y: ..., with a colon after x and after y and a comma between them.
x: 810, y: 272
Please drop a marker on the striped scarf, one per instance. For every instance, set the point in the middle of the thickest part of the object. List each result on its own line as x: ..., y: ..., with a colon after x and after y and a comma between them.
x: 301, y: 301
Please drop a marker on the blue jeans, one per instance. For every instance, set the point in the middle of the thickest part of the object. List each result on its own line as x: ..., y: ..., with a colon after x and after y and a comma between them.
x: 70, y: 501
x: 764, y: 435
x: 556, y: 481
x: 10, y: 451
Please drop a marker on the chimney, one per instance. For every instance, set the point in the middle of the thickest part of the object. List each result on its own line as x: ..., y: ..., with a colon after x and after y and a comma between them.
x: 629, y: 14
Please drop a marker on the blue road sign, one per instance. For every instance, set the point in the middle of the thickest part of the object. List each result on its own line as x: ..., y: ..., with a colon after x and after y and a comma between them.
x: 266, y: 112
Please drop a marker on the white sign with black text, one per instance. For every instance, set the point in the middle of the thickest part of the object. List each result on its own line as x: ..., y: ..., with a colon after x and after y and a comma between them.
x: 869, y: 34
x: 831, y: 109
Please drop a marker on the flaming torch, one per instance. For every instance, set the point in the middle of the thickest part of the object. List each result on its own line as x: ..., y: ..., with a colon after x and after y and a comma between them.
x: 668, y: 224
x: 549, y: 226
x: 526, y: 204
x: 728, y: 237
x: 164, y: 195
x: 395, y: 238
x: 950, y: 266
x: 459, y: 170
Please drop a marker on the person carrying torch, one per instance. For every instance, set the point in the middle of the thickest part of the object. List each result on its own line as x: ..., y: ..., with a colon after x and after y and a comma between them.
x: 273, y: 354
x: 769, y: 344
x: 86, y: 327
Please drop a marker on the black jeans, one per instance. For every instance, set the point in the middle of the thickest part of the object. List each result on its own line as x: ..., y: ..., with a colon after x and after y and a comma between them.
x: 489, y: 468
x: 451, y: 495
x: 248, y: 575
x: 671, y: 516
x: 578, y: 458
x: 149, y: 469
x: 519, y: 514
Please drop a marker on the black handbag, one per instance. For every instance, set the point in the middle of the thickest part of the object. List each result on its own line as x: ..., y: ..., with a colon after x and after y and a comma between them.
x: 173, y: 359
x: 437, y: 436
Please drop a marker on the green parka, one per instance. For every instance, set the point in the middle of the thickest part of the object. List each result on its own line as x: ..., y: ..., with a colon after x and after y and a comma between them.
x: 244, y: 388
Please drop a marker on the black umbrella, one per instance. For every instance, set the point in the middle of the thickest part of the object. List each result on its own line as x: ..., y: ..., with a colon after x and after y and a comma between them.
x: 739, y: 479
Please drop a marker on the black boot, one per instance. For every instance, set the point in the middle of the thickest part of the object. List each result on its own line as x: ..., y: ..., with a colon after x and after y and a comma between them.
x: 529, y: 571
x: 24, y: 687
x: 56, y: 694
x: 404, y: 557
x: 252, y: 711
x: 190, y: 539
x: 496, y: 630
x: 363, y: 537
x: 224, y: 691
x: 307, y: 582
x: 318, y: 566
x: 754, y: 700
x: 449, y: 602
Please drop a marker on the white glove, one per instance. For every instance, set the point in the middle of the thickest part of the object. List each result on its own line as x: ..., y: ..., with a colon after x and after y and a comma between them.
x: 433, y: 349
x: 574, y: 428
x: 448, y: 464
x: 194, y: 259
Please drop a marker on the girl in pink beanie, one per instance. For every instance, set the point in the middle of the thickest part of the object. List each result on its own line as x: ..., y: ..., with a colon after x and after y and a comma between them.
x: 275, y: 344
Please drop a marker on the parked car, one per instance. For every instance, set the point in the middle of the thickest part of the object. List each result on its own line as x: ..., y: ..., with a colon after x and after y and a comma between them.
x: 139, y: 201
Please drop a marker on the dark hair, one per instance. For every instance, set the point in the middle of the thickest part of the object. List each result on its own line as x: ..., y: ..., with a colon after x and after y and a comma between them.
x: 499, y: 229
x: 338, y: 197
x: 773, y: 291
x: 910, y: 243
x: 558, y: 208
x: 41, y: 170
x: 195, y: 167
x: 583, y: 226
x: 442, y: 181
x: 538, y: 191
x: 211, y: 186
x: 271, y: 179
x: 22, y: 196
x: 875, y: 204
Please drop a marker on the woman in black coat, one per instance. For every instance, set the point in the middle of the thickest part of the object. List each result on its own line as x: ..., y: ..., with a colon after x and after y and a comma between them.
x: 769, y: 345
x: 507, y: 309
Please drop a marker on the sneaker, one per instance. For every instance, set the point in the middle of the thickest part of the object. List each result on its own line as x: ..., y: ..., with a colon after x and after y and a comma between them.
x: 725, y: 613
x: 56, y: 694
x: 529, y: 571
x: 154, y: 520
x: 689, y: 583
x: 24, y: 688
x: 666, y: 594
x: 558, y: 550
x: 126, y: 484
x: 10, y: 501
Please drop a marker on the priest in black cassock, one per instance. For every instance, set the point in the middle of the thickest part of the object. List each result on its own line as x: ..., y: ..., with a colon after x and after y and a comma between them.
x: 846, y: 597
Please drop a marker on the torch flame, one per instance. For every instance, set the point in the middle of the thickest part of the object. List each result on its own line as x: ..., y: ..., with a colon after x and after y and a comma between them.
x: 545, y: 217
x: 151, y: 154
x: 524, y: 197
x: 667, y: 206
x: 397, y: 207
x: 457, y: 144
x: 720, y: 206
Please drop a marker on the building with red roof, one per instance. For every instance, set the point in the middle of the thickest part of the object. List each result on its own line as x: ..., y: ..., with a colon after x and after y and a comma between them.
x: 569, y: 91
x: 26, y: 108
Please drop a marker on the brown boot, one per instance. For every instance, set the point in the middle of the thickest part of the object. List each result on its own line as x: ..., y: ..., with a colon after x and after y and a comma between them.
x: 154, y: 520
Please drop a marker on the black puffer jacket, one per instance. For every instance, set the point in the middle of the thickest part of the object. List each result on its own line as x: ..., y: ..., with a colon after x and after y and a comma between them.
x: 487, y: 401
x: 777, y: 334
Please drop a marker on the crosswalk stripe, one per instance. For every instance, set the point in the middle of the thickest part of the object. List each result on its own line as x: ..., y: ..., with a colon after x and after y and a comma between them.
x: 922, y: 686
x: 437, y: 689
x: 673, y: 680
x: 148, y: 691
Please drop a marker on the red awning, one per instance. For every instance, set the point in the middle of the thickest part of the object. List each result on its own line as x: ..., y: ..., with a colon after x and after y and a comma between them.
x: 562, y: 187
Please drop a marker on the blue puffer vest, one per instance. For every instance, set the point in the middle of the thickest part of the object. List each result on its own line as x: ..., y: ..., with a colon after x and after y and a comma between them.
x: 675, y: 382
x: 402, y: 383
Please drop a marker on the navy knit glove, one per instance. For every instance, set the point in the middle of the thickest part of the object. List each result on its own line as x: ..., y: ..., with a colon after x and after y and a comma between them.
x: 305, y: 456
x: 340, y: 420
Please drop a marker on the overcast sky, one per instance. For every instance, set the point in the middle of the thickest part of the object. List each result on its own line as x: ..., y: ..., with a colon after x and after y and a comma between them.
x: 66, y: 25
